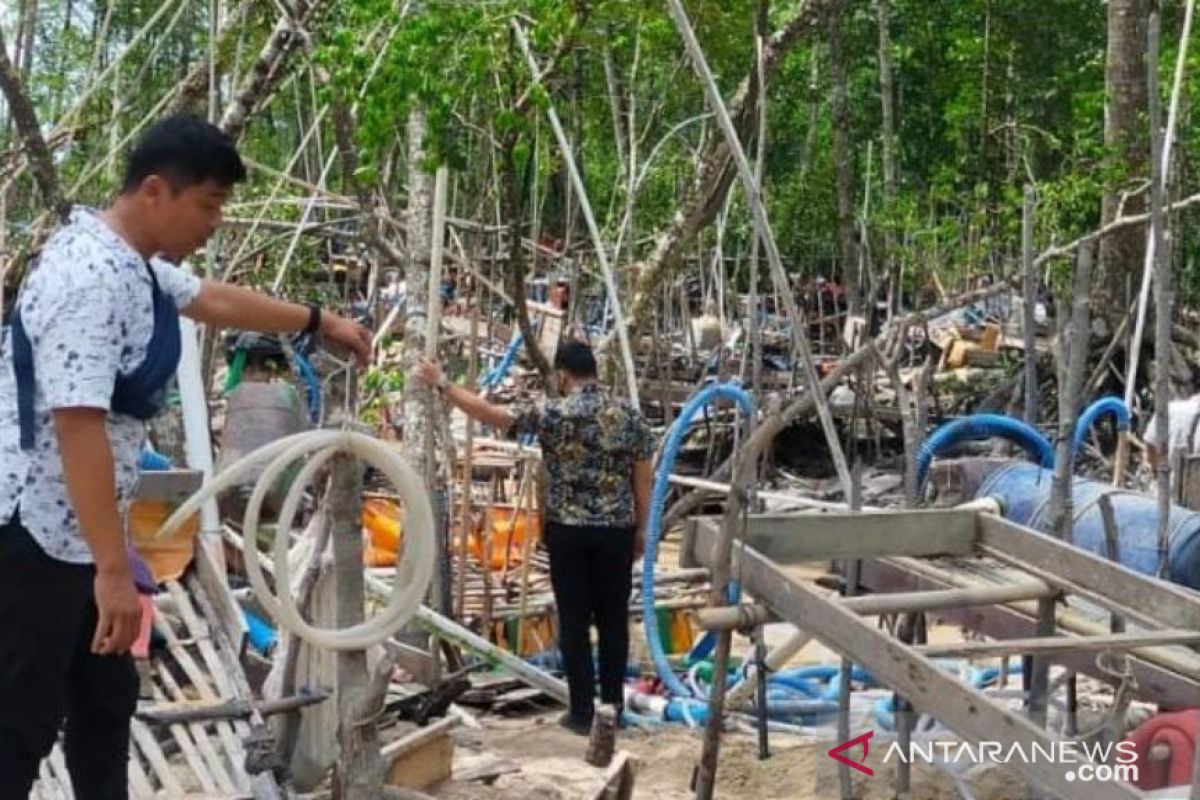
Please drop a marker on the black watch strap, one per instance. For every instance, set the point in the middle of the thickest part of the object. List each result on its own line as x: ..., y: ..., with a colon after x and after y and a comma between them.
x: 314, y: 320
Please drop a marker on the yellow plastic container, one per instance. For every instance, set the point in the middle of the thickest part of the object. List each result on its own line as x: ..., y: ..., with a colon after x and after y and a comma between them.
x: 166, y: 558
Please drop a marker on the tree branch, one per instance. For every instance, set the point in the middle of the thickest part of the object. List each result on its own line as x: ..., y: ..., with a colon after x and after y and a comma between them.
x: 714, y: 167
x: 25, y: 117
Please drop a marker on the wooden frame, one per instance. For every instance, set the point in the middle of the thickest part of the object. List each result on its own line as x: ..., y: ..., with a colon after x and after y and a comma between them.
x: 897, y: 538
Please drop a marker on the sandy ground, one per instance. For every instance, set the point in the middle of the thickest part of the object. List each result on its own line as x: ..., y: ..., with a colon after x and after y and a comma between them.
x: 552, y: 767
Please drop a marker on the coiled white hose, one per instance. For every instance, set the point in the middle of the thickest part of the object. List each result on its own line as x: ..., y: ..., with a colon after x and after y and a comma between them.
x: 413, y: 572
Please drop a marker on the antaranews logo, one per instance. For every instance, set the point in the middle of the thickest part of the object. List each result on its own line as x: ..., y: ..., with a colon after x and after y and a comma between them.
x: 1083, y: 761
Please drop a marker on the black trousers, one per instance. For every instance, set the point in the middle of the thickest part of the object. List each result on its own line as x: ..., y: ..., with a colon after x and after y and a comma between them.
x: 590, y: 574
x: 48, y: 673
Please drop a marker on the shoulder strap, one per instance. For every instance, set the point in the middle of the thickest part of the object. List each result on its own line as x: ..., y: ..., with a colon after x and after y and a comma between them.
x: 153, y: 276
x: 22, y: 352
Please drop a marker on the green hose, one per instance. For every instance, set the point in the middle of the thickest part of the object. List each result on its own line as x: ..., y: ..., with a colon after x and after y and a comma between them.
x: 236, y: 368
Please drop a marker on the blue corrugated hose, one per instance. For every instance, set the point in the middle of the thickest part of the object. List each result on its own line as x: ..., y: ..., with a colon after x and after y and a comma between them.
x: 1105, y: 405
x: 658, y: 500
x: 983, y: 426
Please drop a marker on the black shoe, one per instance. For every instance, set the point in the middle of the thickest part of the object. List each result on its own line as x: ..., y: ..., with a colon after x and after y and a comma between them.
x: 576, y: 725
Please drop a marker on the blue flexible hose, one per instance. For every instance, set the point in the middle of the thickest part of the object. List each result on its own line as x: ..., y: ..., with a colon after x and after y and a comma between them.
x: 309, y: 375
x: 983, y: 426
x: 1105, y: 405
x: 498, y: 372
x: 658, y: 501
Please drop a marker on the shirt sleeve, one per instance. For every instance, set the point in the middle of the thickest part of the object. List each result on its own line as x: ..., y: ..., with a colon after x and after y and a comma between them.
x: 71, y: 318
x: 643, y: 439
x: 179, y: 284
x: 528, y: 417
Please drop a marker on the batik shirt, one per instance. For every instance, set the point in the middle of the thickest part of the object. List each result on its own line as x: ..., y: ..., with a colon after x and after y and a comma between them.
x: 590, y: 443
x: 88, y: 311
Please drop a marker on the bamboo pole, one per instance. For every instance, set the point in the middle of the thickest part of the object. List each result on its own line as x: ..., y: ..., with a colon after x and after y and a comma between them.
x: 585, y: 207
x: 763, y: 230
x: 1161, y: 166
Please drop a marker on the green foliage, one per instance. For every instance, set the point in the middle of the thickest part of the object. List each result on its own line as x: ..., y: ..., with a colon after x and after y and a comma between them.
x: 989, y: 95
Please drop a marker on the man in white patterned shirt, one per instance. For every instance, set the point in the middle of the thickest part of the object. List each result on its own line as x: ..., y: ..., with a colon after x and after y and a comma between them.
x: 93, y: 341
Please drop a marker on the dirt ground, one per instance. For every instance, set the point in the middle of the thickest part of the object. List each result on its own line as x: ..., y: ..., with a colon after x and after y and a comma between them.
x: 552, y: 767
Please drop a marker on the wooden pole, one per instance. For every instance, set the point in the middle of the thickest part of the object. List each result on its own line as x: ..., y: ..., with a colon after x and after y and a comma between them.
x: 585, y: 206
x: 359, y: 774
x: 763, y: 230
x: 851, y: 573
x: 467, y: 495
x: 1074, y: 348
x: 526, y: 548
x: 1030, y: 293
x: 359, y: 770
x: 732, y: 524
x: 1162, y: 300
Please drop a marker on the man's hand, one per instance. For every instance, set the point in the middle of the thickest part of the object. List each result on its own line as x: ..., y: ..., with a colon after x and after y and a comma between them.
x: 430, y: 372
x: 120, y: 613
x: 639, y: 543
x: 348, y: 333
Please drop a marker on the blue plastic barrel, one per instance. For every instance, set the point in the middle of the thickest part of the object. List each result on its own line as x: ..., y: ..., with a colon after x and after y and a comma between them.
x: 1023, y: 491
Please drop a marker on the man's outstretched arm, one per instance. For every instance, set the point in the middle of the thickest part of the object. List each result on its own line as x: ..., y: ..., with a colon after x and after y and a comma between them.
x: 471, y: 404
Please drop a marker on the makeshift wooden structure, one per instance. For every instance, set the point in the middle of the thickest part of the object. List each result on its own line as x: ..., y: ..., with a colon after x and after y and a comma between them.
x: 991, y: 575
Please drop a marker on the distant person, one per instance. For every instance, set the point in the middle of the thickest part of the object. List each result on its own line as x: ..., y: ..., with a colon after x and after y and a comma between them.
x: 708, y: 329
x: 598, y: 453
x: 1182, y: 418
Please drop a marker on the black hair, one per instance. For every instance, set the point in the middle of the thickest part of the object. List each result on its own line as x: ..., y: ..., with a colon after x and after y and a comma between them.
x: 576, y: 359
x: 185, y: 150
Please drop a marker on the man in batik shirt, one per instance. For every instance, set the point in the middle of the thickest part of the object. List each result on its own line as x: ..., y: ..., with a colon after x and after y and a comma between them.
x: 598, y: 453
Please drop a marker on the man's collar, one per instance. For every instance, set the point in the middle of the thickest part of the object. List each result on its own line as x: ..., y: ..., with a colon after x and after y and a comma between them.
x: 89, y: 220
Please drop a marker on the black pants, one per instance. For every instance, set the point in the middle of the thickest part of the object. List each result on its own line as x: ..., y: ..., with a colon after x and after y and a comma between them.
x: 48, y: 672
x: 590, y: 574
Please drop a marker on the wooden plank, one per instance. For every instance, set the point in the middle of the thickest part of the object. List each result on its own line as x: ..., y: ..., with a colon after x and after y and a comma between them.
x: 747, y: 616
x: 792, y: 539
x: 1128, y: 593
x: 186, y: 746
x: 216, y: 765
x: 203, y: 686
x: 963, y: 710
x: 149, y: 748
x: 1060, y: 644
x: 1154, y: 683
x: 422, y: 759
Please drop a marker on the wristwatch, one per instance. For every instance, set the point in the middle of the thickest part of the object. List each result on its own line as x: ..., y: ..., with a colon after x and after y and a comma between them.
x: 442, y: 385
x: 314, y: 320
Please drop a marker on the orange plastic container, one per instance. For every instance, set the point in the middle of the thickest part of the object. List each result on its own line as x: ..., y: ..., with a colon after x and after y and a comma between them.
x: 384, y: 521
x: 166, y: 558
x: 508, y: 532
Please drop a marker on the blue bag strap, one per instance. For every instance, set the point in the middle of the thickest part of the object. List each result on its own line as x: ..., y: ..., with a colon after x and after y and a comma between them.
x: 23, y: 371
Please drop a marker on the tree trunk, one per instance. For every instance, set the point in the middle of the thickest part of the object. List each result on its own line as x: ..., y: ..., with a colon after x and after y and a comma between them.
x: 510, y: 190
x: 715, y: 171
x: 24, y: 116
x: 887, y: 93
x: 1122, y: 254
x: 888, y: 99
x: 28, y: 37
x: 287, y: 36
x: 417, y: 396
x: 843, y: 158
x: 814, y: 110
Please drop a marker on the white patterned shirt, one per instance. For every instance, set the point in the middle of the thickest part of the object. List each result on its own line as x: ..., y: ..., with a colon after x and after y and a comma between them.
x: 87, y: 310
